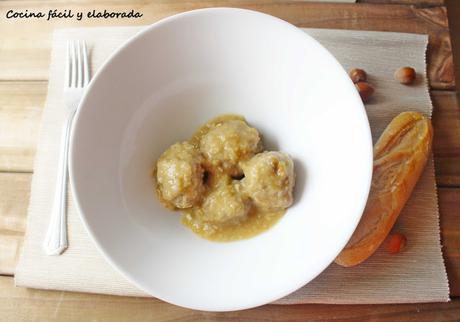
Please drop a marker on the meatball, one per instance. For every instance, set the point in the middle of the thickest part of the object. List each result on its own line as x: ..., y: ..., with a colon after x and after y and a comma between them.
x: 225, y: 204
x: 180, y: 176
x: 269, y: 180
x: 230, y: 142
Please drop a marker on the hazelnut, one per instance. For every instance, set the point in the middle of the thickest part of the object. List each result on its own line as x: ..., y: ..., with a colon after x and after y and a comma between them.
x: 365, y: 90
x: 405, y: 75
x: 395, y: 243
x: 357, y: 75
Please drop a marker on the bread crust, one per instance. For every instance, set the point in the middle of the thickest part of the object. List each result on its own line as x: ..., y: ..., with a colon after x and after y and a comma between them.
x: 400, y: 155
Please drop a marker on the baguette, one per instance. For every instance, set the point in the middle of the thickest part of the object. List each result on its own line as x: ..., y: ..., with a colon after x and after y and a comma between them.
x: 399, y: 158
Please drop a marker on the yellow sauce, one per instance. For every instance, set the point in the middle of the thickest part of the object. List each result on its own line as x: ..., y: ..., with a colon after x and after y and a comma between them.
x: 257, y: 222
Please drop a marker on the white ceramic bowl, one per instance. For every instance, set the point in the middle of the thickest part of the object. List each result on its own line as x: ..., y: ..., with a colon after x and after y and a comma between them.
x: 156, y: 90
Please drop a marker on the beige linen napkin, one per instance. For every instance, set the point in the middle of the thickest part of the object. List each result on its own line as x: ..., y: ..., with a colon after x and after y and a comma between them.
x: 415, y: 275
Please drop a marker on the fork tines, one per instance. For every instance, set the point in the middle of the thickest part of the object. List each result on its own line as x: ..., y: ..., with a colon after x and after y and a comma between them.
x: 77, y: 70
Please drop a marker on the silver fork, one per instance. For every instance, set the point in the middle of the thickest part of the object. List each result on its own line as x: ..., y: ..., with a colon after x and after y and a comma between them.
x: 76, y: 78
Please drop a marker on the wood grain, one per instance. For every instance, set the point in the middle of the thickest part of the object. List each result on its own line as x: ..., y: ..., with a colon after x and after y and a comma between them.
x: 418, y: 3
x: 24, y: 56
x: 21, y: 104
x: 26, y: 44
x: 18, y: 304
x: 449, y: 207
x: 446, y: 147
x: 14, y: 196
x: 453, y: 11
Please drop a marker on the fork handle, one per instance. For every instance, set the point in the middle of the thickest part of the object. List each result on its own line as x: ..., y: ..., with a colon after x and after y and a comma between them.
x: 56, y: 238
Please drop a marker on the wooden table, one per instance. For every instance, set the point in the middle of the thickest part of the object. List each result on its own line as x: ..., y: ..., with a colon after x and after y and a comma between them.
x: 24, y: 58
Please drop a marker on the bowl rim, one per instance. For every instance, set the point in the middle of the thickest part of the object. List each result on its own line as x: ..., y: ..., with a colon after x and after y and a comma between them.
x: 72, y: 156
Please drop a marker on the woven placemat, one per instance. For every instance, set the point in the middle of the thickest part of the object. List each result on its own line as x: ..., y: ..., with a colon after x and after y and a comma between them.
x: 415, y: 275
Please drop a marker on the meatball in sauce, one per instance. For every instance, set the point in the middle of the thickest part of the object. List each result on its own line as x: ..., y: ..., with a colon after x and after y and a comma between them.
x: 223, y: 183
